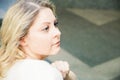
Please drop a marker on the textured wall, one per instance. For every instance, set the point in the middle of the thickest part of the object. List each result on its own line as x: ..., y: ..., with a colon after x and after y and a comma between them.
x: 99, y: 4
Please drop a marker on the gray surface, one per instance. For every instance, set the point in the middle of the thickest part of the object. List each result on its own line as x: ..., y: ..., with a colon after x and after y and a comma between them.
x: 88, y: 42
x: 93, y: 4
x: 117, y: 78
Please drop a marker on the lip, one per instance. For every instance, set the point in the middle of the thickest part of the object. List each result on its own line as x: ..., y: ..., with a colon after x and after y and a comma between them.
x: 57, y: 43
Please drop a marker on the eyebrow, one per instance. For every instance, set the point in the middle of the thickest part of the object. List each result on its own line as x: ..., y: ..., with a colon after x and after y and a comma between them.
x: 47, y: 22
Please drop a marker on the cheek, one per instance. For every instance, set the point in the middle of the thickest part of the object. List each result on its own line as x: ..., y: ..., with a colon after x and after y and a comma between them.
x: 45, y: 45
x: 41, y: 45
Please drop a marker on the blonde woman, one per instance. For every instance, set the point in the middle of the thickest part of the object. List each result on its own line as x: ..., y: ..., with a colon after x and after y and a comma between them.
x: 29, y: 34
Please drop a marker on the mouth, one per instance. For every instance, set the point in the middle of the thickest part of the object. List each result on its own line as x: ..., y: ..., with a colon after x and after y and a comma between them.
x: 57, y: 43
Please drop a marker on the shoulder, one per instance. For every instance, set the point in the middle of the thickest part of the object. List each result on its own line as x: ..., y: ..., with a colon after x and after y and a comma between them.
x: 30, y: 65
x: 32, y: 70
x: 34, y: 64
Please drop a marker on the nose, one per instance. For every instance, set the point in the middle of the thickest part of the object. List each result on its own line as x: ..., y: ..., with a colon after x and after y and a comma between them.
x: 56, y: 32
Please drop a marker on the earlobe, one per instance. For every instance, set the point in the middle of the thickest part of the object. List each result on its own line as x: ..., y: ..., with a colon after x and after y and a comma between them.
x: 23, y: 42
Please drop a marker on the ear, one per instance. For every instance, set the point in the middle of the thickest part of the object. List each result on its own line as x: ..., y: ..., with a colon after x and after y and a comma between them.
x: 23, y: 41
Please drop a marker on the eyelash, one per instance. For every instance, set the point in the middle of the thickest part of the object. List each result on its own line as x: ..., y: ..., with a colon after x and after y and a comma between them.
x: 56, y: 24
x: 47, y: 27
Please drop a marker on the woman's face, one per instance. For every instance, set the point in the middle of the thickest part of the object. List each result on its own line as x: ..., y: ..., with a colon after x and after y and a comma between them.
x: 43, y: 38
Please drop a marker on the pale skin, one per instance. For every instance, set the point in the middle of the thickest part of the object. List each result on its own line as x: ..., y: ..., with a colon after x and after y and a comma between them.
x: 43, y: 39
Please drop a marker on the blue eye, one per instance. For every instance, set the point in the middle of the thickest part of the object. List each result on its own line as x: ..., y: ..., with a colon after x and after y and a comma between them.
x: 46, y: 28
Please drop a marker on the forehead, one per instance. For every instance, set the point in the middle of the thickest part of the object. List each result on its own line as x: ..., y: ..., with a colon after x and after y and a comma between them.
x: 45, y: 14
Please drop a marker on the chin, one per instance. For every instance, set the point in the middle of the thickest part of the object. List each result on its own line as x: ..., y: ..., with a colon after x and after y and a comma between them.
x: 55, y: 51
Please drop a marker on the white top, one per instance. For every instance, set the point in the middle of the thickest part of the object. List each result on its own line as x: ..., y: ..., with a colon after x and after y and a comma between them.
x: 29, y: 69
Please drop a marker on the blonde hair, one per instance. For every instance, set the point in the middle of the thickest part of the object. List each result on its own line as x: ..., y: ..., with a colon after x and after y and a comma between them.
x: 15, y: 25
